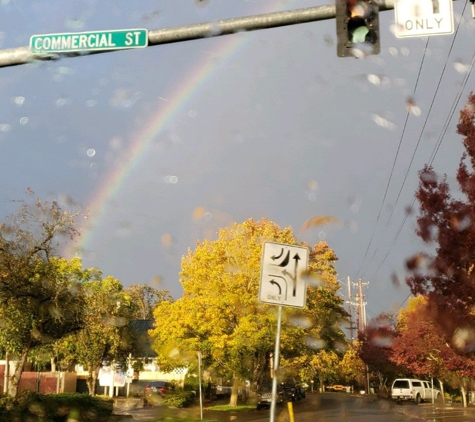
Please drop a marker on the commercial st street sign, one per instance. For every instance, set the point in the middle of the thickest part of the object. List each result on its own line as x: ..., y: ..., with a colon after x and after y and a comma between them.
x: 89, y: 41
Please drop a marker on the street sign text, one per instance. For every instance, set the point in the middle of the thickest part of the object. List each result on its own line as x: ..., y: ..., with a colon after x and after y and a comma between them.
x: 418, y: 18
x: 89, y: 41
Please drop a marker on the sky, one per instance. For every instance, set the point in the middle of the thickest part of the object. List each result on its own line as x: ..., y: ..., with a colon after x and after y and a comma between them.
x: 165, y: 145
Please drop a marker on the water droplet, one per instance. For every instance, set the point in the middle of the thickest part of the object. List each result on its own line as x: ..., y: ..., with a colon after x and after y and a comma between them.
x: 19, y: 100
x: 24, y: 120
x: 60, y: 102
x: 202, y: 3
x: 192, y: 113
x: 5, y: 127
x: 374, y: 79
x: 91, y: 152
x: 91, y: 103
x: 381, y: 121
x: 74, y: 23
x: 312, y: 185
x: 316, y: 343
x: 461, y: 67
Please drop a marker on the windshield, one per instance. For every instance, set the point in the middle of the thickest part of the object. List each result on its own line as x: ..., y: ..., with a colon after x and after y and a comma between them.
x: 183, y: 181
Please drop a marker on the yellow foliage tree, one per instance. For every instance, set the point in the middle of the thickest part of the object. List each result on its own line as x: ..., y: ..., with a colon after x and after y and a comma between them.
x: 220, y: 315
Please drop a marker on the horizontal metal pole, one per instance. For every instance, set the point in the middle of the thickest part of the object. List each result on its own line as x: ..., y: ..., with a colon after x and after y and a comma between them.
x: 22, y: 55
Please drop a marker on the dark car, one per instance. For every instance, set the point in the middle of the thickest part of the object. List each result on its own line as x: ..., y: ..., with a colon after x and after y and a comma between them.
x: 264, y: 395
x: 293, y: 389
x: 155, y: 391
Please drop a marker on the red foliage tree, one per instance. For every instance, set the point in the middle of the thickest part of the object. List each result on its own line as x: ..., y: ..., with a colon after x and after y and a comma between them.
x: 419, y: 346
x: 376, y: 348
x: 448, y: 277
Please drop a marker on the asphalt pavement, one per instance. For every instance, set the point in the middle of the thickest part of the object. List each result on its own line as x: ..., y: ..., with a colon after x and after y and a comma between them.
x: 328, y: 407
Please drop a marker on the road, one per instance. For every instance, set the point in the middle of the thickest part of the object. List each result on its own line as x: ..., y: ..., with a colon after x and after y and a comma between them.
x: 328, y: 407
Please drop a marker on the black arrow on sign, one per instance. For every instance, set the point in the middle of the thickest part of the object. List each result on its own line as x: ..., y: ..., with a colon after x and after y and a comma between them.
x: 276, y: 284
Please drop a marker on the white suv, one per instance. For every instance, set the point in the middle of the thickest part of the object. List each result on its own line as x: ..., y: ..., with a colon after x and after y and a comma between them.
x: 407, y: 389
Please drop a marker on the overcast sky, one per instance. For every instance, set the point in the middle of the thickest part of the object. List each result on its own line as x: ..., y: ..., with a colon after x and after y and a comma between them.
x: 167, y: 144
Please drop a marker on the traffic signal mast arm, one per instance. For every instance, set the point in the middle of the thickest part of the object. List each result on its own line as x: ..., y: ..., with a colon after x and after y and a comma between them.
x: 23, y: 55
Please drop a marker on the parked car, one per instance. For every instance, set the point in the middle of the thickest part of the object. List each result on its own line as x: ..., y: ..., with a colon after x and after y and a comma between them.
x: 293, y: 389
x: 155, y: 391
x: 409, y: 389
x: 264, y: 395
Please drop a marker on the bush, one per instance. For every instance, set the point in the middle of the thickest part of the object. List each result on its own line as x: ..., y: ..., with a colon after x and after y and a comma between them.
x: 179, y: 399
x: 54, y: 407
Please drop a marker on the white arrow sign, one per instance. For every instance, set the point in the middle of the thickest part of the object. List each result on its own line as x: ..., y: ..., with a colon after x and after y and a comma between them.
x: 419, y: 18
x: 282, y: 281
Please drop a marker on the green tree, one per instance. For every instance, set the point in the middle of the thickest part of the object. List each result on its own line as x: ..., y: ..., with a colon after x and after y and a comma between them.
x: 351, y: 368
x: 325, y: 365
x: 106, y: 333
x: 40, y: 294
x: 144, y: 299
x: 219, y: 313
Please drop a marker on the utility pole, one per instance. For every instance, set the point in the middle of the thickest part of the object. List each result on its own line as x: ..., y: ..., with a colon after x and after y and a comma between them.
x: 23, y: 55
x: 361, y: 306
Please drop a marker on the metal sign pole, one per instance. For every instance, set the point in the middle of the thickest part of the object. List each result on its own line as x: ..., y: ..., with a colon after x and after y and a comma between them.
x: 276, y: 365
x: 199, y: 381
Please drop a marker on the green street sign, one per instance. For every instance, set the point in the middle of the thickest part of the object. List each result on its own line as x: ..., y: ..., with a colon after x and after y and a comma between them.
x: 89, y: 41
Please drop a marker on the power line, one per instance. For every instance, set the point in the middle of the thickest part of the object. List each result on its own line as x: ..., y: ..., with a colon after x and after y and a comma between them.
x: 427, y: 117
x: 392, y: 169
x: 419, y: 139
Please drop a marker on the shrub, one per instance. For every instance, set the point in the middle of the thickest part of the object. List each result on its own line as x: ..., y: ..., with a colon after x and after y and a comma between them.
x: 179, y: 399
x: 54, y: 407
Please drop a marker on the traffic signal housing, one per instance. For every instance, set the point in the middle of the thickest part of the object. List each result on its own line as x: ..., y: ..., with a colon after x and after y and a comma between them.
x: 357, y: 28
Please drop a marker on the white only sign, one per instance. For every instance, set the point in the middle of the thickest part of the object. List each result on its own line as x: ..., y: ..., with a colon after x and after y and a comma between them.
x: 282, y: 275
x: 419, y: 18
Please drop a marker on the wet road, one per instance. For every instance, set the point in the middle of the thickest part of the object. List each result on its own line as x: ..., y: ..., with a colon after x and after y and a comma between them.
x: 328, y: 407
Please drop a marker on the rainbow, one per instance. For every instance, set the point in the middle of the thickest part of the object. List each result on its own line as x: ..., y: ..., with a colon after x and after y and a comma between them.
x: 189, y: 86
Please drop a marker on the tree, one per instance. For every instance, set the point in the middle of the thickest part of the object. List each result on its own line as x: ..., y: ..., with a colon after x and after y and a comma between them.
x: 219, y: 313
x: 351, y: 367
x: 144, y: 299
x: 422, y: 347
x: 106, y: 334
x: 445, y: 222
x: 40, y: 294
x: 375, y: 349
x: 325, y: 366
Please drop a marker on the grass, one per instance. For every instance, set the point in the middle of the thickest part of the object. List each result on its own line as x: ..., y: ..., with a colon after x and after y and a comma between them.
x: 227, y: 408
x: 218, y: 408
x: 173, y: 419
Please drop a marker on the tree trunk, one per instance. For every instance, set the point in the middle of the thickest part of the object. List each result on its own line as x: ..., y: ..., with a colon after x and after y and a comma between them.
x: 233, y: 400
x: 91, y: 380
x: 442, y: 393
x: 464, y: 395
x: 15, y: 378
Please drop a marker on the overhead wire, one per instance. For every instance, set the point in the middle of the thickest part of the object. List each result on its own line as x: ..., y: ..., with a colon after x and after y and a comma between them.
x: 392, y: 169
x: 426, y: 120
x: 436, y: 148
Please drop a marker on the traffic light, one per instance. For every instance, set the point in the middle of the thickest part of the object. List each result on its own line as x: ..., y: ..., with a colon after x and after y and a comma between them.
x: 357, y: 28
